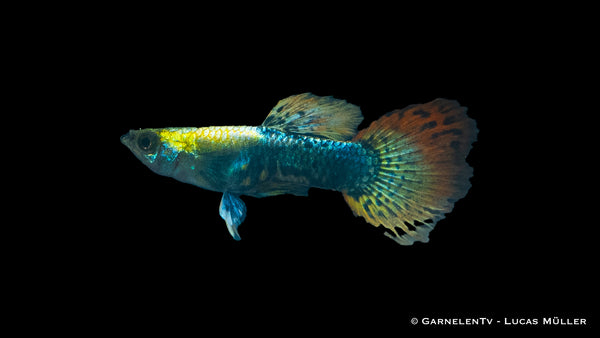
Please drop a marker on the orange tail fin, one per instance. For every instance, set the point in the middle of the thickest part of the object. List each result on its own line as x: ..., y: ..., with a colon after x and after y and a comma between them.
x: 423, y: 172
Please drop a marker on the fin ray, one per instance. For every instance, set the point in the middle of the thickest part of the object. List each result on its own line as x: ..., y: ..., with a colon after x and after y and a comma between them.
x: 317, y: 116
x: 423, y: 172
x: 233, y: 210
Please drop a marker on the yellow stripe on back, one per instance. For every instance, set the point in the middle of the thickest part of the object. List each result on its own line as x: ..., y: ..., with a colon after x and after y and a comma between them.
x: 198, y: 140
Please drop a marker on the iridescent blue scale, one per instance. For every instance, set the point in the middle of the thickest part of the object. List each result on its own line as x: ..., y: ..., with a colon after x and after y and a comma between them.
x: 304, y: 161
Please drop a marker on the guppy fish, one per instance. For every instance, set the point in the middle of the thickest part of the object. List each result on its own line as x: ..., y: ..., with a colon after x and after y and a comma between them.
x: 405, y: 171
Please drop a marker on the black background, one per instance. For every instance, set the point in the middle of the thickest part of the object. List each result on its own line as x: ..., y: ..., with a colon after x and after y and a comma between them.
x: 148, y: 251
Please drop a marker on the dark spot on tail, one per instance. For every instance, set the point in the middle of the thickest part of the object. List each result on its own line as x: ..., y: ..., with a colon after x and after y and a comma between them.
x: 423, y: 113
x: 429, y: 125
x: 445, y: 132
x: 450, y: 119
x: 366, y: 204
x: 448, y: 106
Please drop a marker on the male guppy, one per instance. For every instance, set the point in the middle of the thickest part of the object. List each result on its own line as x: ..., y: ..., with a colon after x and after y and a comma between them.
x: 405, y: 171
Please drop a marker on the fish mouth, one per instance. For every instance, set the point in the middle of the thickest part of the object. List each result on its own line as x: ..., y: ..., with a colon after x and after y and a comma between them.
x: 125, y: 139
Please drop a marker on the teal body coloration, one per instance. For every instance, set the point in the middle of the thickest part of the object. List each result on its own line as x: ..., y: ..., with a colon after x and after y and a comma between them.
x: 291, y: 163
x: 253, y: 161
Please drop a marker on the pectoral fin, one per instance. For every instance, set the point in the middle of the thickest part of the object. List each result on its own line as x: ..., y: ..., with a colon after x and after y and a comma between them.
x: 233, y: 211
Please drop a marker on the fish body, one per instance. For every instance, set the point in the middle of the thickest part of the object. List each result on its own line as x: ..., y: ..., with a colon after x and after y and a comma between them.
x: 260, y: 161
x: 310, y: 141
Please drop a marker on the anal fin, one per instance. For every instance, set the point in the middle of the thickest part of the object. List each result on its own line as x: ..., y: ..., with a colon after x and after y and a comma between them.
x: 233, y: 210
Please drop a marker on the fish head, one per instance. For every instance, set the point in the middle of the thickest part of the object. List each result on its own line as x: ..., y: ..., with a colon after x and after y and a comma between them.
x: 146, y: 145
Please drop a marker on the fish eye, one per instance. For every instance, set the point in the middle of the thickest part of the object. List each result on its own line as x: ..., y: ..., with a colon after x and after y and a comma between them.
x: 147, y: 142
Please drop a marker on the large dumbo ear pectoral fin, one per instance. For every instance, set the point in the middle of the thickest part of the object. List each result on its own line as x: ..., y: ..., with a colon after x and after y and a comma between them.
x: 233, y: 211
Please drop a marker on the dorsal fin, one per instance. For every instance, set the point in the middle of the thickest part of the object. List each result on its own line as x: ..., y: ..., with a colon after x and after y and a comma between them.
x: 320, y: 116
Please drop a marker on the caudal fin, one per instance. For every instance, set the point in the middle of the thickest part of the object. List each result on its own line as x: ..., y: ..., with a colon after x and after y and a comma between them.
x: 422, y: 172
